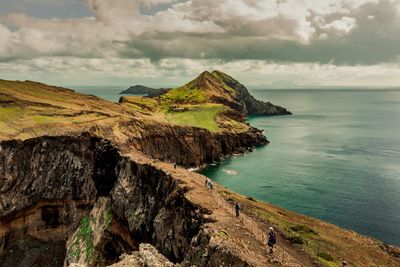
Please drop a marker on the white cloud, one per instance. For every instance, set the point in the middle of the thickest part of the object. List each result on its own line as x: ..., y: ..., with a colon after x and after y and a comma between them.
x: 5, y: 37
x: 197, y: 34
x: 170, y: 72
x: 344, y: 24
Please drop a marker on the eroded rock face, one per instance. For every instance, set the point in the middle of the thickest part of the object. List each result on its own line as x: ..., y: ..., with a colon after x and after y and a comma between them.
x: 192, y: 147
x: 54, y: 168
x: 99, y: 239
x: 146, y: 256
x: 155, y: 209
x: 252, y: 106
x: 47, y: 185
x: 82, y: 194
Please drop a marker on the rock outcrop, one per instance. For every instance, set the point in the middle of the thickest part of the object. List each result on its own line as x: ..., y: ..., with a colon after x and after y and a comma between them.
x: 251, y: 106
x: 74, y: 199
x: 146, y: 256
x: 98, y: 203
x: 39, y: 109
x: 193, y: 147
x: 218, y: 87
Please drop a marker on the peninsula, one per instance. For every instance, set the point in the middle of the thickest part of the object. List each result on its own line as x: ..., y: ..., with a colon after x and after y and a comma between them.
x: 100, y: 183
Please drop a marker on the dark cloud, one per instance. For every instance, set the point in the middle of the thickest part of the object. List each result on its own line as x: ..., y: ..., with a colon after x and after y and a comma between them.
x: 374, y: 39
x: 197, y: 29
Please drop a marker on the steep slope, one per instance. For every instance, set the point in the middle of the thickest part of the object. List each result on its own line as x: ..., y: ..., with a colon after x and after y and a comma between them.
x: 252, y: 105
x: 91, y: 202
x: 218, y: 87
x: 89, y: 198
x: 30, y: 109
x: 99, y: 203
x: 214, y: 101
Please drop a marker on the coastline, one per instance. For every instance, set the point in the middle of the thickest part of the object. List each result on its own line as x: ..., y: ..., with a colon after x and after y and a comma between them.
x: 118, y: 161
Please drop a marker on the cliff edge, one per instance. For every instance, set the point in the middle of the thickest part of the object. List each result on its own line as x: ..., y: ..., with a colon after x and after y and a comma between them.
x: 94, y: 183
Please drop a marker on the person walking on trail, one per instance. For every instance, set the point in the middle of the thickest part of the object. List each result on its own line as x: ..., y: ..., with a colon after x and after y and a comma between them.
x: 211, y: 185
x: 271, y: 240
x: 237, y: 209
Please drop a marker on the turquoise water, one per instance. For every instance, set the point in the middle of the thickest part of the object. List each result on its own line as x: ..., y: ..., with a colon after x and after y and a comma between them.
x: 337, y: 159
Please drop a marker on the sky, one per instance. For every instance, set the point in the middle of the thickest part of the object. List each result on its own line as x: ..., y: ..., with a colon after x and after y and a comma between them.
x: 262, y: 43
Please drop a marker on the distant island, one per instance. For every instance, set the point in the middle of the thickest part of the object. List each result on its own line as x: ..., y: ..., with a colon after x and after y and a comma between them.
x: 144, y: 90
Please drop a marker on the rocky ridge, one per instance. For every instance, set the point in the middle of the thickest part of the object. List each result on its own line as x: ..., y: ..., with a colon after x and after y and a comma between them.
x: 250, y: 105
x: 218, y: 87
x: 104, y: 203
x: 90, y: 198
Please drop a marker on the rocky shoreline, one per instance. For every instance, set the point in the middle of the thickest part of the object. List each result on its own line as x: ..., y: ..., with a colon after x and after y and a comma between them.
x: 91, y: 181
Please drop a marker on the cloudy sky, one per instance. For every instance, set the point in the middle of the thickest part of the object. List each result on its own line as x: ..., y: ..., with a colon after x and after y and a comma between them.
x: 271, y: 43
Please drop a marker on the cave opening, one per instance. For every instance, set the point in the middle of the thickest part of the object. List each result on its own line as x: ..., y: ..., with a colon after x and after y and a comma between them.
x: 106, y: 158
x: 50, y: 216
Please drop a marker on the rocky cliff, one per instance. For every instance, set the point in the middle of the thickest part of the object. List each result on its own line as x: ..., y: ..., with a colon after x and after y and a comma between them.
x: 86, y: 199
x: 81, y: 201
x: 218, y: 87
x: 98, y: 204
x: 193, y: 147
x: 251, y: 106
x: 29, y: 109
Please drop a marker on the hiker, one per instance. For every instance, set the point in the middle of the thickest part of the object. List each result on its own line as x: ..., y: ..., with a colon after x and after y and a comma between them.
x: 174, y: 165
x: 206, y: 182
x: 237, y: 208
x: 271, y: 240
x: 211, y: 185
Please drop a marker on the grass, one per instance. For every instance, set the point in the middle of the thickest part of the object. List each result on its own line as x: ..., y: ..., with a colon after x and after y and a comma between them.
x: 185, y: 94
x: 327, y: 263
x: 325, y: 256
x: 234, y: 126
x: 83, y: 241
x: 222, y: 234
x: 10, y: 113
x: 6, y: 129
x: 142, y: 104
x: 34, y: 90
x: 303, y: 229
x: 14, y: 118
x: 202, y: 116
x: 107, y: 218
x: 39, y: 119
x: 296, y: 233
x: 221, y: 78
x: 295, y: 239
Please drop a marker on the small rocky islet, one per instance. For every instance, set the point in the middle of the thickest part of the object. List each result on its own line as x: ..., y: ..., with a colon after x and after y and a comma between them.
x: 87, y: 182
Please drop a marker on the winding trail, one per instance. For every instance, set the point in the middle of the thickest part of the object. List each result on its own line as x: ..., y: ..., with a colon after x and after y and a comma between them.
x: 244, y: 235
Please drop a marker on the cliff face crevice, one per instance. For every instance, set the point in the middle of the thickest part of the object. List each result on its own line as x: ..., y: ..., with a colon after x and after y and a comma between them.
x: 47, y: 185
x: 54, y: 168
x: 155, y: 209
x: 96, y: 204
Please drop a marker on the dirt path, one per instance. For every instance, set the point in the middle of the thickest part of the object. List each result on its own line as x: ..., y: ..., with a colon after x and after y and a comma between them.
x: 244, y: 235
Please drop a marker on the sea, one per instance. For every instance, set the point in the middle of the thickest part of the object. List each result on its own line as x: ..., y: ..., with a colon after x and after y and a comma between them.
x: 337, y: 158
